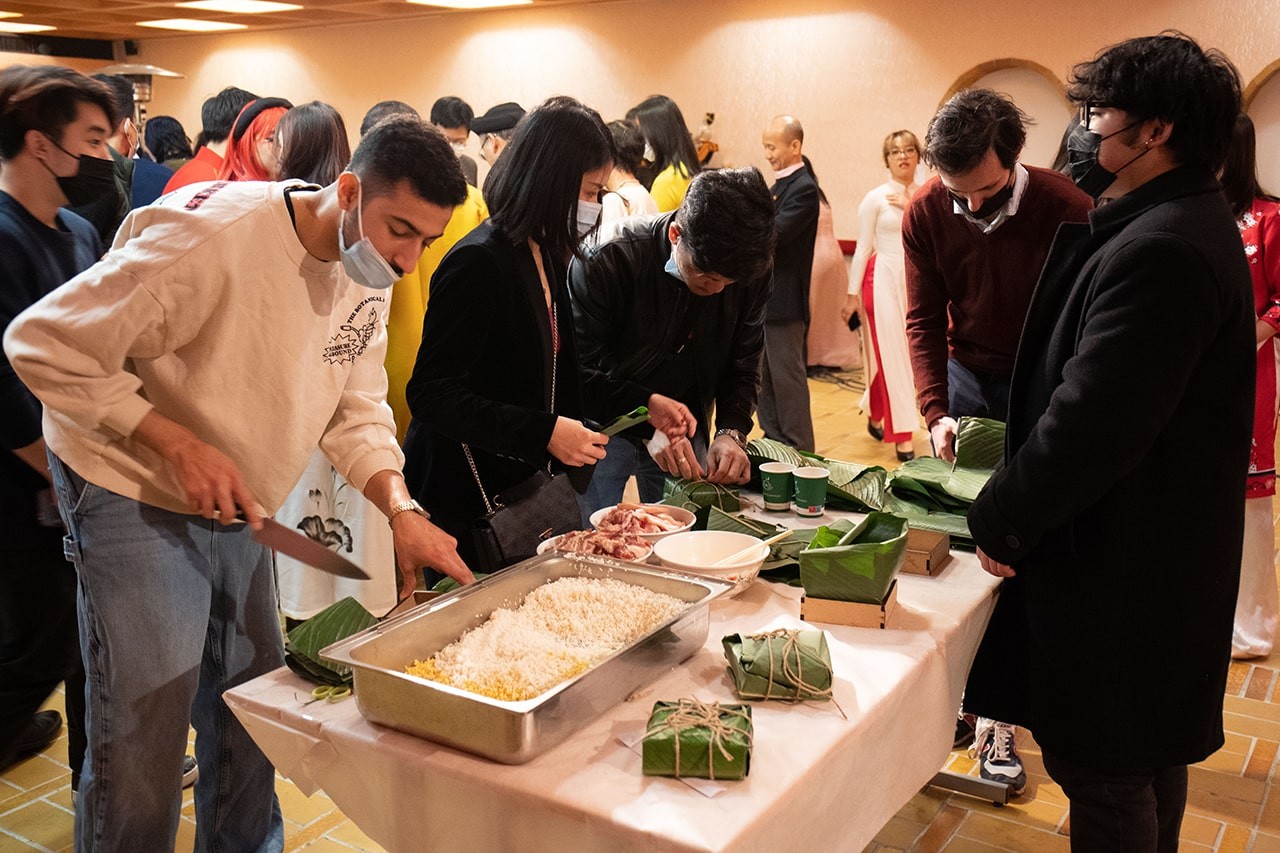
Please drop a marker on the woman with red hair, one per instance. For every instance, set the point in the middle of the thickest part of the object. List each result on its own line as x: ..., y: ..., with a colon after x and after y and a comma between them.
x: 251, y: 152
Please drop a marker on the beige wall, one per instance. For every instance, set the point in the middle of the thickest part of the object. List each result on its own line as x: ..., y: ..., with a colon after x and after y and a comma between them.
x: 851, y: 72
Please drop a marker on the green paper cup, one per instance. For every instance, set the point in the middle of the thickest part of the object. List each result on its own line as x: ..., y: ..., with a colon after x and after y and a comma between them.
x: 810, y: 490
x: 775, y: 482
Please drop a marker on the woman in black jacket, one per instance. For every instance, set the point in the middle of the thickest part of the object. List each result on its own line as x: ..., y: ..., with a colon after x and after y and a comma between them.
x: 499, y: 319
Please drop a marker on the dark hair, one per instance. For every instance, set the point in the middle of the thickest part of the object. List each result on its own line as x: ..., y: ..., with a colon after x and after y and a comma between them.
x: 532, y: 191
x: 219, y: 113
x: 452, y: 112
x: 1240, y: 169
x: 1171, y: 78
x: 403, y: 148
x: 664, y: 129
x: 628, y: 146
x: 727, y: 223
x: 312, y: 140
x: 122, y: 91
x: 166, y: 140
x: 45, y: 98
x: 969, y: 125
x: 381, y: 110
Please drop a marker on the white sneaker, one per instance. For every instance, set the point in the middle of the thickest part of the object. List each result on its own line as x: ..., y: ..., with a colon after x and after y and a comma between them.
x: 998, y: 759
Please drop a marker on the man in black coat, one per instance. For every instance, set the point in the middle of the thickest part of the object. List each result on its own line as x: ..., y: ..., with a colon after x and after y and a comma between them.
x: 669, y: 314
x: 1117, y: 516
x: 784, y: 391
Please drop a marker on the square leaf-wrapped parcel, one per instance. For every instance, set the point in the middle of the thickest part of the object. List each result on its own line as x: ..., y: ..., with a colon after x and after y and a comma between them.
x: 783, y: 664
x: 708, y: 740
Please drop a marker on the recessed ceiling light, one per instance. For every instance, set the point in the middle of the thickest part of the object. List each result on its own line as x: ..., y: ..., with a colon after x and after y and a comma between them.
x: 6, y: 27
x: 472, y: 4
x: 10, y: 14
x: 192, y: 25
x: 239, y: 7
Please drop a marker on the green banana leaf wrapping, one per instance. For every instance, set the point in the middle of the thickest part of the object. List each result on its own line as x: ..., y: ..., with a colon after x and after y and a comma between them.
x: 848, y: 562
x: 979, y: 449
x: 693, y: 739
x: 336, y: 622
x: 699, y: 497
x: 782, y: 664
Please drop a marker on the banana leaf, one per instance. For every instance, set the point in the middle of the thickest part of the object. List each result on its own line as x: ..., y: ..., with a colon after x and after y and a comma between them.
x: 687, y: 749
x: 979, y: 449
x: 767, y: 450
x: 336, y: 622
x: 923, y: 480
x: 979, y: 443
x: 699, y: 497
x: 854, y: 562
x: 448, y: 584
x: 789, y: 665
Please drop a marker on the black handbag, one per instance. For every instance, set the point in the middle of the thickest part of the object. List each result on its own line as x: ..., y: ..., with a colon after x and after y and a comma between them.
x: 518, y: 520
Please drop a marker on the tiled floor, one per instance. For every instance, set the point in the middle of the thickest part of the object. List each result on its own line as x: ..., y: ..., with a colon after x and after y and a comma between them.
x: 1232, y: 805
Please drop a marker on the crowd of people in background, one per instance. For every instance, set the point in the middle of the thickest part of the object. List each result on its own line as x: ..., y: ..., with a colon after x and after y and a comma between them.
x: 262, y: 322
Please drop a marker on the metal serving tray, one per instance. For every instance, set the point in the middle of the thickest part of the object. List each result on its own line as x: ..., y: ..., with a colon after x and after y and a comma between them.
x: 515, y: 732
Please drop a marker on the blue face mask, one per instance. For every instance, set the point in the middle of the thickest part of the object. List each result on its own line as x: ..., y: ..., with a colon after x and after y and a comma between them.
x: 672, y: 269
x: 361, y: 260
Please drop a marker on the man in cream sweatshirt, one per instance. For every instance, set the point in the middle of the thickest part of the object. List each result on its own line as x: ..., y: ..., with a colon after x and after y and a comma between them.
x: 186, y: 379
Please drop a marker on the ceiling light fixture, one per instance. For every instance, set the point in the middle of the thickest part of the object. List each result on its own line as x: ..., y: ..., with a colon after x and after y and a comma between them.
x: 192, y: 25
x: 10, y: 14
x: 17, y: 29
x: 240, y: 7
x: 472, y: 4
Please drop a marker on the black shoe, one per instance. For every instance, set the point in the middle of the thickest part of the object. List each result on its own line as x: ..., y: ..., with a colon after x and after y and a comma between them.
x: 877, y: 432
x: 905, y: 455
x: 190, y: 771
x: 41, y: 731
x: 964, y: 732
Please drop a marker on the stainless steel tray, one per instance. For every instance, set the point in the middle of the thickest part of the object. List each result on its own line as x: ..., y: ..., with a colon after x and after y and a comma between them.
x: 515, y: 732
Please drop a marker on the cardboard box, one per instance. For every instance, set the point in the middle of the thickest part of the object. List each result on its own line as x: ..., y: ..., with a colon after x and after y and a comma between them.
x: 927, y: 552
x: 853, y: 613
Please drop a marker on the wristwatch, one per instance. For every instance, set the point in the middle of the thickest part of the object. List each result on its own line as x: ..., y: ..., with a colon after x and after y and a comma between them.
x: 407, y: 506
x: 737, y: 436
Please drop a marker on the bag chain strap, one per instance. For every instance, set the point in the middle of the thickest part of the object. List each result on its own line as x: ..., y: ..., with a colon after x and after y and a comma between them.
x: 466, y: 448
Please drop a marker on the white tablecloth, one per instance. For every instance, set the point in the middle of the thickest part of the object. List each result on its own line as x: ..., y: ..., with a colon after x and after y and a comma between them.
x: 817, y: 781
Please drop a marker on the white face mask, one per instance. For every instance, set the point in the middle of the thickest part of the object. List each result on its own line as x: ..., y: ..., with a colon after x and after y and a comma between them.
x: 649, y: 154
x: 588, y: 216
x: 361, y: 260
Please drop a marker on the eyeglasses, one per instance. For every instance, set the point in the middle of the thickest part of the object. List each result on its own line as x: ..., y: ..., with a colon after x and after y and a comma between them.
x: 903, y: 152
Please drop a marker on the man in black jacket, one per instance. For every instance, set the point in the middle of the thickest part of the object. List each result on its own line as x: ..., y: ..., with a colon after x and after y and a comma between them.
x: 784, y: 393
x: 671, y: 312
x: 1131, y: 404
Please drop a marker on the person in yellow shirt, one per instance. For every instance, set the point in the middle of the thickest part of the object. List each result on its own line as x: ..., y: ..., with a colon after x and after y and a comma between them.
x: 668, y: 148
x: 409, y: 305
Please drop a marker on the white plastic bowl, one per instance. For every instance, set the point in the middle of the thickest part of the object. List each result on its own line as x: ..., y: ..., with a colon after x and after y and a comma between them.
x: 696, y: 550
x: 677, y: 513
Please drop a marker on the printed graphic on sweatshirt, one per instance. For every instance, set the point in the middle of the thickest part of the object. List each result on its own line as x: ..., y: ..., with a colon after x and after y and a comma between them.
x: 353, y: 339
x: 204, y: 195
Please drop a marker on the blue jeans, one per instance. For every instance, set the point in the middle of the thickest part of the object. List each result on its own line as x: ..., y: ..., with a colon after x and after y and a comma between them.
x: 976, y: 394
x: 624, y: 457
x: 173, y: 609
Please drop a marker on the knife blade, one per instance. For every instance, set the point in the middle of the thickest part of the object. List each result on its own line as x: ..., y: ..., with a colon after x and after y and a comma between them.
x: 279, y: 538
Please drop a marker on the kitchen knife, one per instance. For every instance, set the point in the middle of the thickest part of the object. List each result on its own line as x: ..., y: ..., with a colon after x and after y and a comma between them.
x: 293, y: 544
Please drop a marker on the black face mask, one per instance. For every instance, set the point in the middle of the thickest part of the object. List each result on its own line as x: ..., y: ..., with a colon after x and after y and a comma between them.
x: 1082, y: 160
x: 94, y: 179
x: 991, y: 205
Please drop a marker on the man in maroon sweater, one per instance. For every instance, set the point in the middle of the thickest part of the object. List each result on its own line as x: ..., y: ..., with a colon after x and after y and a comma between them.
x: 975, y: 240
